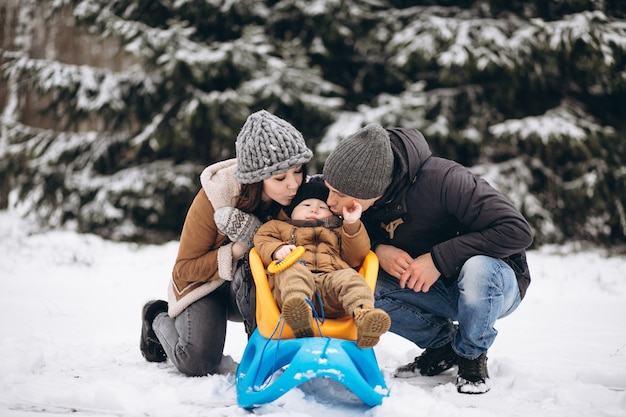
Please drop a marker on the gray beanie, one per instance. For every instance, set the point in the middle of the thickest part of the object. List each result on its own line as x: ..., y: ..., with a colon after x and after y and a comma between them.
x: 268, y: 145
x: 361, y: 165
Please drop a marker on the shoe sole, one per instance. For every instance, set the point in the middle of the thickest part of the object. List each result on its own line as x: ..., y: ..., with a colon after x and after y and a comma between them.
x: 297, y: 315
x: 372, y: 326
x: 464, y: 386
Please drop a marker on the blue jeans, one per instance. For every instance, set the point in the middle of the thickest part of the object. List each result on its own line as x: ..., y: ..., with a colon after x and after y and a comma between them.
x: 463, y: 312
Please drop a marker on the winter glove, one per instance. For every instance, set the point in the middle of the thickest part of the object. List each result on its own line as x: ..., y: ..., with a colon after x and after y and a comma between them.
x: 239, y: 226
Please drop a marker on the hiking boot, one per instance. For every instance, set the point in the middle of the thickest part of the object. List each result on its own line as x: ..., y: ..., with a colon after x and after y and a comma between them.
x: 297, y: 314
x: 370, y: 323
x: 473, y: 376
x: 432, y: 361
x: 150, y: 347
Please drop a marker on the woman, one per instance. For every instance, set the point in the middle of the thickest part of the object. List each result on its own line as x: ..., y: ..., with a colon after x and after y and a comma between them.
x: 235, y: 197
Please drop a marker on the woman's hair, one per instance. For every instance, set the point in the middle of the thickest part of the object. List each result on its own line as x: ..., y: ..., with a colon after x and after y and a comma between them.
x: 249, y: 198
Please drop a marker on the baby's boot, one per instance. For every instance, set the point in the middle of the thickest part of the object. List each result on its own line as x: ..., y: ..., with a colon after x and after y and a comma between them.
x: 297, y: 313
x: 371, y: 323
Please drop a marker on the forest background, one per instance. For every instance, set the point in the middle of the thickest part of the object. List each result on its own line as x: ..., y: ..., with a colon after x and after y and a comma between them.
x: 109, y: 109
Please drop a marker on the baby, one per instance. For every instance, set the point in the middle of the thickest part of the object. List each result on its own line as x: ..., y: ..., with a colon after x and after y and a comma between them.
x: 333, y: 249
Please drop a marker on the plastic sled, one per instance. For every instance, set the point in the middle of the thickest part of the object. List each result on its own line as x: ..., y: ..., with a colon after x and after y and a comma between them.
x: 274, y: 361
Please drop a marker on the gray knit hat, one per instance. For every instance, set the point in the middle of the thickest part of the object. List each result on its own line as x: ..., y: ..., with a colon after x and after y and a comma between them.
x: 268, y: 145
x: 361, y: 165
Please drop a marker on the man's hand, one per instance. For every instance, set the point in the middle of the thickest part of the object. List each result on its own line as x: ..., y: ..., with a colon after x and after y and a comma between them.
x: 352, y: 214
x: 417, y: 274
x: 393, y: 260
x: 421, y: 274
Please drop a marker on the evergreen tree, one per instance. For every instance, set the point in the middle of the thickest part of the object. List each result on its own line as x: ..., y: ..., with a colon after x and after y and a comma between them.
x: 530, y: 103
x: 528, y: 94
x: 125, y: 148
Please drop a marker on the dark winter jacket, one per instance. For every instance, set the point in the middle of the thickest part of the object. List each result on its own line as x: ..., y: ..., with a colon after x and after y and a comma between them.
x: 436, y: 205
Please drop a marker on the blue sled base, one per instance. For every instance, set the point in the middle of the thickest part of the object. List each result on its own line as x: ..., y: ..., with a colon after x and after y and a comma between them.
x: 306, y: 358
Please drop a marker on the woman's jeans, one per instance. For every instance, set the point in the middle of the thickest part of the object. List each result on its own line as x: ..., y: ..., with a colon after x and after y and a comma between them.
x: 485, y: 291
x: 194, y: 340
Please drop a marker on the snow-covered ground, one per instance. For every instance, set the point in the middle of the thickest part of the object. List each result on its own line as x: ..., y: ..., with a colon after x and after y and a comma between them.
x: 70, y: 326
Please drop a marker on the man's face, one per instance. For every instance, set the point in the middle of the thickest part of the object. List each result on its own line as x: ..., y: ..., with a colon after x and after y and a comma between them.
x: 337, y: 200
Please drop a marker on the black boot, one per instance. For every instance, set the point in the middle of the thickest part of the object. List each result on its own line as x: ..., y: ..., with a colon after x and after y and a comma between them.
x: 473, y: 376
x: 432, y: 361
x: 149, y: 345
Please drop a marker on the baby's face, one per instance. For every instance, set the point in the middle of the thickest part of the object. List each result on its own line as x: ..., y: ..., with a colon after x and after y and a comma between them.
x: 311, y: 209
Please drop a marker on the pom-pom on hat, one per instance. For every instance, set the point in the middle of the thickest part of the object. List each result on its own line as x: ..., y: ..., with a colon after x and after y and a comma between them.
x: 268, y: 145
x: 361, y: 166
x: 311, y: 189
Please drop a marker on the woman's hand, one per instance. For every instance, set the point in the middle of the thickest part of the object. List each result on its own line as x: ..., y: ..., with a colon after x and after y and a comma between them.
x: 239, y: 249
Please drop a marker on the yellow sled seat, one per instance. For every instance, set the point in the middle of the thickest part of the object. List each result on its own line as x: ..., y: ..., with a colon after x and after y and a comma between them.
x: 268, y: 315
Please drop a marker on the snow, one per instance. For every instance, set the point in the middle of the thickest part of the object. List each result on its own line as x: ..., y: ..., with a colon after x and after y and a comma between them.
x: 568, y: 120
x: 71, y: 326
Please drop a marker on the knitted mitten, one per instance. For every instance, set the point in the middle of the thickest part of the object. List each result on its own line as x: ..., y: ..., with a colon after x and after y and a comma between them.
x: 239, y: 226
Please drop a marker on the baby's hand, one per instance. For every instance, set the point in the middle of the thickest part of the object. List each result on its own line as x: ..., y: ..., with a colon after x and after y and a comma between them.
x: 352, y: 214
x: 283, y: 251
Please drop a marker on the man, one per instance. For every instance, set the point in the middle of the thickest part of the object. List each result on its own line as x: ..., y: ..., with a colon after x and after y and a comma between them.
x: 450, y: 247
